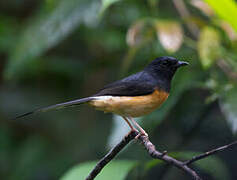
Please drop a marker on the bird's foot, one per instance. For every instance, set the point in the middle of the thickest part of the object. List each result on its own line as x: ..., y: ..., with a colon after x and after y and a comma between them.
x: 141, y: 134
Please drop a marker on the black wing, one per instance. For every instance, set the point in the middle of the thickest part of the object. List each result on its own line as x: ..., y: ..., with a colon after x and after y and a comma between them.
x: 135, y: 85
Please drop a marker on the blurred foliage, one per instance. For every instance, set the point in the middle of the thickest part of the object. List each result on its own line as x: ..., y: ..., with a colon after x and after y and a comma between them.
x: 207, y: 46
x: 116, y: 169
x: 52, y: 51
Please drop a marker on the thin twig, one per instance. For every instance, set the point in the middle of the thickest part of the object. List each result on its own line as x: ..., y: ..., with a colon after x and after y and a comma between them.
x: 111, y: 154
x: 209, y: 153
x: 162, y: 156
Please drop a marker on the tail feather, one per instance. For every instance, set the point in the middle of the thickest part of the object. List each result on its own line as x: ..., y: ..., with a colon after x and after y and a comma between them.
x: 57, y: 106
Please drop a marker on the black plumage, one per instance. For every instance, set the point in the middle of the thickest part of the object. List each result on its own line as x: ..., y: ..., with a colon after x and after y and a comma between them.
x: 156, y: 75
x: 135, y: 85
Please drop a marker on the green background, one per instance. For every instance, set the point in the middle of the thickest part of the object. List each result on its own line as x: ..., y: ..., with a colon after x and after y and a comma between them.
x: 52, y: 51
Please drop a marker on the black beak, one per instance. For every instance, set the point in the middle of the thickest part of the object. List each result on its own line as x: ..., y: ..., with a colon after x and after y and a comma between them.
x: 182, y: 63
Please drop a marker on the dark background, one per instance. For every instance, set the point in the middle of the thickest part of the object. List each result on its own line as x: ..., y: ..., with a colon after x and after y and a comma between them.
x: 52, y: 51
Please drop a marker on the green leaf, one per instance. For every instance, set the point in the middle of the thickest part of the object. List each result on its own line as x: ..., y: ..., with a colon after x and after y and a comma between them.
x: 229, y: 13
x: 209, y: 46
x: 212, y: 164
x: 228, y: 104
x: 106, y: 4
x: 116, y: 170
x: 49, y: 29
x: 152, y: 163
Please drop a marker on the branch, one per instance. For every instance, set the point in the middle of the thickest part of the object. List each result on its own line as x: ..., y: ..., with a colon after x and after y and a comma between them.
x: 162, y: 156
x: 184, y: 166
x: 209, y: 153
x: 111, y: 154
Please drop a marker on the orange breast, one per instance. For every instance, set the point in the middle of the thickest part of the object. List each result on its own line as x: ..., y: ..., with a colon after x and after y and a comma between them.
x: 129, y: 105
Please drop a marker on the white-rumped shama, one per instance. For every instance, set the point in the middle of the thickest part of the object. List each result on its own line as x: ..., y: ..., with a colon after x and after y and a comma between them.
x: 133, y: 96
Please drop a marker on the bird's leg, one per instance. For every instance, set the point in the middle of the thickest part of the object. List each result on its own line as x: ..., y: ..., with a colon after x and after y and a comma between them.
x: 130, y: 125
x: 143, y: 132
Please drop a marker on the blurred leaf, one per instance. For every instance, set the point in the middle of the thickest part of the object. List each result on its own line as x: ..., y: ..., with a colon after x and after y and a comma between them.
x: 170, y: 35
x: 139, y: 35
x: 134, y: 35
x: 153, y: 3
x: 50, y: 4
x: 228, y: 106
x: 116, y: 170
x: 229, y: 11
x: 209, y: 46
x: 152, y: 163
x: 49, y: 29
x: 106, y: 4
x: 140, y: 32
x: 231, y: 33
x: 212, y: 164
x: 204, y: 7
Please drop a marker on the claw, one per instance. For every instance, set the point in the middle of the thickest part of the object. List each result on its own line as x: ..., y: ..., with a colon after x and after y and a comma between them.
x: 141, y: 134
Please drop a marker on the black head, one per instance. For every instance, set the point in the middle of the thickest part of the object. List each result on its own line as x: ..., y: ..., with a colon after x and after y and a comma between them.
x: 165, y: 66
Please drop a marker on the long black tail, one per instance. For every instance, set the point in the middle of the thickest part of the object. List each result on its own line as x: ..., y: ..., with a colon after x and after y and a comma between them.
x: 57, y: 106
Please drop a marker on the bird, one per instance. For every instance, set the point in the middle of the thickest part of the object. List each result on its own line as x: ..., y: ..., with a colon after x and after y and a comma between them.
x: 136, y: 95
